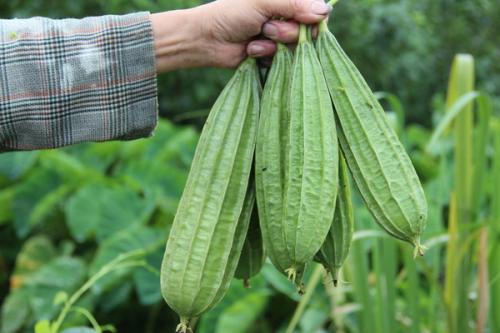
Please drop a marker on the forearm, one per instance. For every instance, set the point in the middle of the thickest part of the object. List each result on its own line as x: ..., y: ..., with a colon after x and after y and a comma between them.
x: 178, y: 39
x: 69, y: 81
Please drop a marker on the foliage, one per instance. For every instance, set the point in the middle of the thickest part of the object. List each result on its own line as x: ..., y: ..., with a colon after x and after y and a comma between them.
x: 74, y: 210
x: 66, y: 214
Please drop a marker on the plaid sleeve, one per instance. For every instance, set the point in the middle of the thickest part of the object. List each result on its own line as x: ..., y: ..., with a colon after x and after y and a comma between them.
x: 75, y: 80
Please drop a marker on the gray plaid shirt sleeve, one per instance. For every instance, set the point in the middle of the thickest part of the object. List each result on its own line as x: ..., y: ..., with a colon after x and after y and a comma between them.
x: 74, y: 80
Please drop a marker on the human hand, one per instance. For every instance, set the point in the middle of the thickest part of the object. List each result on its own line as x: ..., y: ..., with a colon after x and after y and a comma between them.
x: 230, y: 26
x: 222, y: 33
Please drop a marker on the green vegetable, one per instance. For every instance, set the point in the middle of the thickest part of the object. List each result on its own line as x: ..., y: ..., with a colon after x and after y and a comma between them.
x: 312, y: 178
x: 335, y: 248
x: 271, y: 157
x: 252, y: 255
x: 201, y: 256
x: 378, y: 162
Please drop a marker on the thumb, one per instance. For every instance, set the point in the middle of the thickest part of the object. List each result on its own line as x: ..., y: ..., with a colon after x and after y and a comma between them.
x: 304, y: 11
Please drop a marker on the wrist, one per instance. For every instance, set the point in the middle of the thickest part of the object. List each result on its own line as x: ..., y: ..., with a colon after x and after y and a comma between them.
x: 179, y: 39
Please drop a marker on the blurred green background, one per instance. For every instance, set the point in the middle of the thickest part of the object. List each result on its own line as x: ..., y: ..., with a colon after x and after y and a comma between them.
x: 67, y: 213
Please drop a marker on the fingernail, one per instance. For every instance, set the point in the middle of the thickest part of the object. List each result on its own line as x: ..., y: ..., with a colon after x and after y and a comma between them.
x: 321, y: 8
x: 270, y: 30
x: 255, y: 50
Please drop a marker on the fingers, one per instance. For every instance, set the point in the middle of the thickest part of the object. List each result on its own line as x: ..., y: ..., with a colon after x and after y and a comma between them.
x: 281, y: 31
x: 297, y: 11
x: 286, y: 32
x: 261, y: 48
x: 303, y: 11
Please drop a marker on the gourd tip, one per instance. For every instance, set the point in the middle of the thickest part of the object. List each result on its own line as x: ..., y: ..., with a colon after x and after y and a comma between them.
x: 292, y: 276
x: 183, y: 326
x: 246, y: 283
x: 419, y: 250
x: 291, y: 273
x: 335, y: 276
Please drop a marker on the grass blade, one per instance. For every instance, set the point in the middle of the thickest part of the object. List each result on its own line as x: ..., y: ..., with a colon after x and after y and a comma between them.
x: 456, y: 292
x: 494, y: 230
x: 482, y: 278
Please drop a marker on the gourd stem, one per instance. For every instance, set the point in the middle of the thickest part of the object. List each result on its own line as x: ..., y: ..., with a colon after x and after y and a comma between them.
x: 309, y: 33
x: 302, y: 33
x: 323, y: 25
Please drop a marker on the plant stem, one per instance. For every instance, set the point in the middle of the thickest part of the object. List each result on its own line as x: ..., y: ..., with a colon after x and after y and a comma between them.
x: 113, y: 265
x: 299, y: 311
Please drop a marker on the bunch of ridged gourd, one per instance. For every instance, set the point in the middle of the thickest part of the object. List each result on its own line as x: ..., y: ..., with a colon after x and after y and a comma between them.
x: 268, y: 174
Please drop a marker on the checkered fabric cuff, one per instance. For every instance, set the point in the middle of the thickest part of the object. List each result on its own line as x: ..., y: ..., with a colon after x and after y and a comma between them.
x: 74, y: 80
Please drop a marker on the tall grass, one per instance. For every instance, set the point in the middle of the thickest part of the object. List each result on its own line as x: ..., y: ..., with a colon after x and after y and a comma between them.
x: 494, y: 230
x: 457, y: 274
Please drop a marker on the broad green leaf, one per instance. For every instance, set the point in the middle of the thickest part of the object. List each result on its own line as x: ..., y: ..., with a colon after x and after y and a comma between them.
x: 240, y: 316
x: 65, y: 165
x: 179, y: 148
x: 102, y: 211
x: 15, y: 311
x: 96, y: 156
x: 61, y: 274
x: 165, y: 183
x: 232, y: 303
x: 170, y: 144
x: 163, y: 134
x: 129, y: 239
x: 40, y: 183
x: 50, y: 203
x: 35, y: 253
x: 14, y: 165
